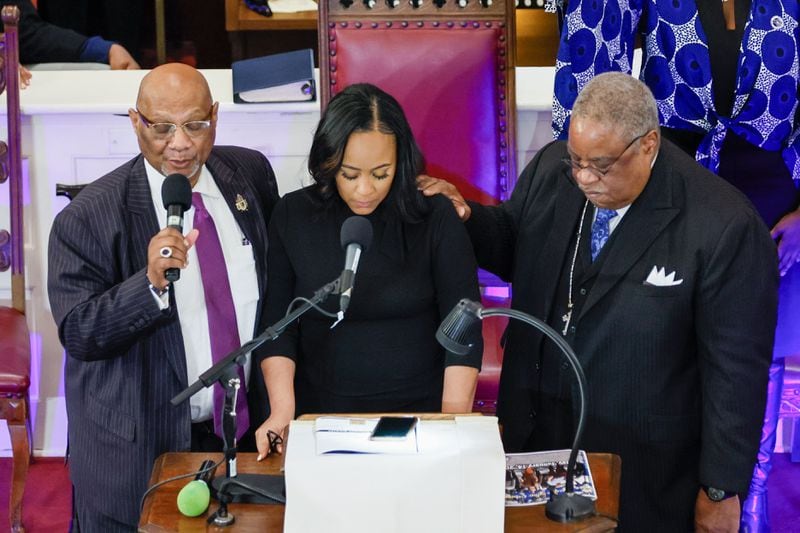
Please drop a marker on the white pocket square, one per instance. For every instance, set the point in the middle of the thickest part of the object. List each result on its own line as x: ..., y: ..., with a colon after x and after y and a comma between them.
x: 660, y: 278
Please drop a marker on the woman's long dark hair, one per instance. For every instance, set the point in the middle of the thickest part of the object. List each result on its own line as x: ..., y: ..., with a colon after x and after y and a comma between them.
x: 362, y: 108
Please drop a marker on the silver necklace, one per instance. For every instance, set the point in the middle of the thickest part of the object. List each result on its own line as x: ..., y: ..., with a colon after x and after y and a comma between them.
x: 568, y: 315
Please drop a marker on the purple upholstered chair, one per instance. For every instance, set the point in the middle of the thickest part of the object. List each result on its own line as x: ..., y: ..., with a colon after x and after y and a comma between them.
x: 15, y: 357
x: 450, y: 64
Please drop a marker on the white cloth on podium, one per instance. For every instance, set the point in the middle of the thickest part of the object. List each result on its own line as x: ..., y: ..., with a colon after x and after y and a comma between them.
x: 455, y: 483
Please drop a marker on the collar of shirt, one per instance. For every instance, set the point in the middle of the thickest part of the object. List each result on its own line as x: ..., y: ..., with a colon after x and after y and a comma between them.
x: 614, y: 222
x: 205, y: 185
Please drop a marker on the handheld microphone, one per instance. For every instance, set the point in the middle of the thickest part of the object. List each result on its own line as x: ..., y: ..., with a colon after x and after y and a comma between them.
x: 176, y: 194
x: 194, y: 497
x: 356, y: 236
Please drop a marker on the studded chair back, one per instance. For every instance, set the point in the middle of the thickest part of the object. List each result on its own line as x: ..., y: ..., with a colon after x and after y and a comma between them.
x: 450, y: 64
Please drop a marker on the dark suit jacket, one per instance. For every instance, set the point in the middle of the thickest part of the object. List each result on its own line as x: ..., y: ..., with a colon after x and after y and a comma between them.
x: 125, y: 356
x: 676, y: 374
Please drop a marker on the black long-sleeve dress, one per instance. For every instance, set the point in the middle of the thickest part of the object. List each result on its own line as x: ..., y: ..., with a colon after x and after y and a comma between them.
x: 383, y: 356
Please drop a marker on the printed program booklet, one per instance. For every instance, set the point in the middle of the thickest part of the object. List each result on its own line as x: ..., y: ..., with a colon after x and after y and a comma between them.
x: 531, y: 477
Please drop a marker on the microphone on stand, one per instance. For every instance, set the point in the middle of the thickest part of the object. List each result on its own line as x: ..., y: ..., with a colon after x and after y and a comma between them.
x: 356, y: 236
x: 176, y: 194
x: 458, y: 333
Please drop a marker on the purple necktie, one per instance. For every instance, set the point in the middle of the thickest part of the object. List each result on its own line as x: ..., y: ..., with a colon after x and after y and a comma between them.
x: 222, y: 328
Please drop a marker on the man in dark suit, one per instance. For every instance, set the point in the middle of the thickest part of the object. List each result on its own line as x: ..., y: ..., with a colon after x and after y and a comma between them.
x: 663, y: 279
x: 133, y: 340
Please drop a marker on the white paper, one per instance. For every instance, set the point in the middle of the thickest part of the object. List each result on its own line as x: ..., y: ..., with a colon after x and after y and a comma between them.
x: 291, y: 92
x: 292, y: 6
x: 351, y: 435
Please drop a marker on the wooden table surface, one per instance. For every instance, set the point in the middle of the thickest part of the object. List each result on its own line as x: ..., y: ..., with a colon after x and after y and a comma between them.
x: 238, y: 17
x: 160, y: 513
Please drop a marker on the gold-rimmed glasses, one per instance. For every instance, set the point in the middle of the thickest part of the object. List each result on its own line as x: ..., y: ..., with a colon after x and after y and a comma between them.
x: 165, y: 130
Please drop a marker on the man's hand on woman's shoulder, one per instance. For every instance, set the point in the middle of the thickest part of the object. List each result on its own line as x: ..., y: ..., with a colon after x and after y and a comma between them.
x: 430, y: 186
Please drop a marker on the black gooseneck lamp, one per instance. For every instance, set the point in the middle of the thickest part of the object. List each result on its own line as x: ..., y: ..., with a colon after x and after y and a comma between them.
x: 458, y: 333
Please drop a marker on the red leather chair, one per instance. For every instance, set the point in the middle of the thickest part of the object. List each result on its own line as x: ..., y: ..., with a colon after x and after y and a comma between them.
x: 15, y: 355
x: 450, y: 64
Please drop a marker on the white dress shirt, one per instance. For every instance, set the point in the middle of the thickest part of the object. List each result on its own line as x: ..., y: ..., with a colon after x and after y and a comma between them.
x: 189, y: 295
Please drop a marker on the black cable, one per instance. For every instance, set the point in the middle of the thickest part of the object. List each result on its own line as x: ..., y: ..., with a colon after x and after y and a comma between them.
x: 312, y: 304
x: 176, y: 478
x: 250, y: 488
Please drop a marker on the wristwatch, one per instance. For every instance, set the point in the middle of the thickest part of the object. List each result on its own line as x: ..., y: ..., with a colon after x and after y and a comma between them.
x: 717, y: 495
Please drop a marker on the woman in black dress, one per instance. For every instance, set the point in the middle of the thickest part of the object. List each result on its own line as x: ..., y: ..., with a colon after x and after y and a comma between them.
x: 383, y: 356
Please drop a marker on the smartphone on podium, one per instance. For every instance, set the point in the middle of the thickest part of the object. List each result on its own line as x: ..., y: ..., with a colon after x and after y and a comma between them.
x: 393, y: 427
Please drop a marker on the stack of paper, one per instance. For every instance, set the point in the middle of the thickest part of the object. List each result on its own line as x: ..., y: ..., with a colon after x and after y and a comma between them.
x: 351, y: 435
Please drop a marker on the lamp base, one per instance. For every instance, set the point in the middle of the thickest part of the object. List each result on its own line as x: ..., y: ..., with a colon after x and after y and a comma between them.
x: 569, y: 507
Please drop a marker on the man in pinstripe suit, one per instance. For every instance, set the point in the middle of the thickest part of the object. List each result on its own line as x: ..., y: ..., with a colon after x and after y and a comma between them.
x: 134, y: 341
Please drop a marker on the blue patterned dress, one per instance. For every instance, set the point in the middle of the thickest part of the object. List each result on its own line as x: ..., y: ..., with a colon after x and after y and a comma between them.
x: 599, y: 36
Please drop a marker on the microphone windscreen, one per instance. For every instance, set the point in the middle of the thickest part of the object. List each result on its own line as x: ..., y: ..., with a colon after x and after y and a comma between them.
x: 461, y: 328
x: 356, y: 230
x: 193, y: 498
x: 176, y: 190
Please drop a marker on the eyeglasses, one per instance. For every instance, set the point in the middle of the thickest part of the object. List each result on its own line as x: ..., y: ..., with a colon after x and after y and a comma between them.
x: 599, y: 172
x: 165, y: 130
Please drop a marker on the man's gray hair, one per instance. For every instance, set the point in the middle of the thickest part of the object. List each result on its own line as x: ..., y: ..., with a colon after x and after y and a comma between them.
x: 619, y: 100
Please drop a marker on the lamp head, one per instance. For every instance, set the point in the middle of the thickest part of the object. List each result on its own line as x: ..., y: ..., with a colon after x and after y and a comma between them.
x: 461, y: 328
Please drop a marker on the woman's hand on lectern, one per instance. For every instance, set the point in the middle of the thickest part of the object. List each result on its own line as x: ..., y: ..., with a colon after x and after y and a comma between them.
x: 278, y: 372
x: 270, y: 436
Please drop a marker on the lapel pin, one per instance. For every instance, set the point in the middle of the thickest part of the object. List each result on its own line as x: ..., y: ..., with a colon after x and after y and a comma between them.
x: 241, y: 203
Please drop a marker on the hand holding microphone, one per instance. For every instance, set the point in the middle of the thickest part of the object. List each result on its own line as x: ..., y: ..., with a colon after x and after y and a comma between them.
x: 356, y: 236
x: 168, y: 249
x: 176, y: 194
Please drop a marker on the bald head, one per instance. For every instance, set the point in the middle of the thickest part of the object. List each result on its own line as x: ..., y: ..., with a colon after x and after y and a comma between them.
x: 175, y: 94
x: 176, y: 84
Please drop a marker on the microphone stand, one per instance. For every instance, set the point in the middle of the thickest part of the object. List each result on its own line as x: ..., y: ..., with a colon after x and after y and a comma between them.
x: 217, y: 371
x: 235, y: 487
x: 566, y: 507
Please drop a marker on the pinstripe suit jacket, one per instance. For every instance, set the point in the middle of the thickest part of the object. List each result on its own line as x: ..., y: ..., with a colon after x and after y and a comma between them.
x: 125, y: 356
x: 676, y: 374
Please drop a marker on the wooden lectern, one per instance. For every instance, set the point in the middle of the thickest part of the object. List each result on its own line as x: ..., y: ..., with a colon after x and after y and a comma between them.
x: 160, y: 513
